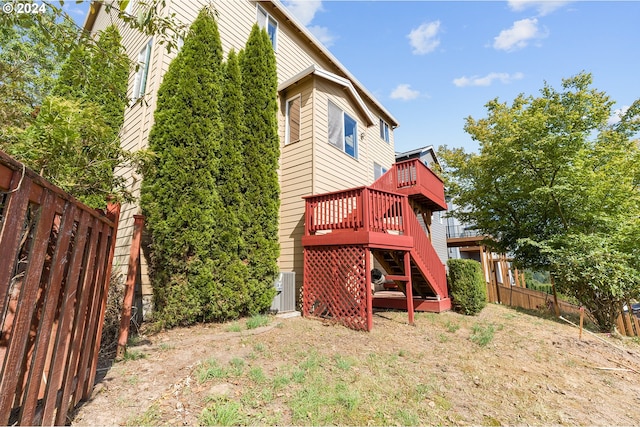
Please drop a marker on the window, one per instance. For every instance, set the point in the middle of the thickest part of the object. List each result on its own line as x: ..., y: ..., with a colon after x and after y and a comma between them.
x: 140, y: 84
x: 266, y: 21
x: 343, y: 131
x: 292, y: 129
x: 378, y: 171
x: 384, y: 130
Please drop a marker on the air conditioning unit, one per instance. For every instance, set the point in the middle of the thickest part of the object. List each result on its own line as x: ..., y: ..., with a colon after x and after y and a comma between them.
x: 285, y: 299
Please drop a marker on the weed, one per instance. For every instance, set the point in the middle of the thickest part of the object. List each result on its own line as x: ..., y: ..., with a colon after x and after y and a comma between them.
x: 259, y: 347
x: 407, y: 418
x: 234, y: 327
x: 210, y: 370
x: 134, y: 340
x: 257, y: 375
x: 343, y: 363
x: 222, y: 413
x: 482, y: 335
x: 451, y: 327
x: 133, y: 380
x: 166, y: 346
x: 280, y: 381
x: 133, y: 355
x: 299, y: 376
x: 442, y: 403
x: 237, y: 366
x: 402, y: 353
x: 150, y: 417
x: 349, y: 399
x: 443, y: 338
x: 257, y: 320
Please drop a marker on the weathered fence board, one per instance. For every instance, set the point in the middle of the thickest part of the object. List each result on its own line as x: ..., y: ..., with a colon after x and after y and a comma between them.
x: 55, y: 264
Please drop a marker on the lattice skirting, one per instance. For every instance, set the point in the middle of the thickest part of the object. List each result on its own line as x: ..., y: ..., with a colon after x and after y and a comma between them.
x: 336, y: 285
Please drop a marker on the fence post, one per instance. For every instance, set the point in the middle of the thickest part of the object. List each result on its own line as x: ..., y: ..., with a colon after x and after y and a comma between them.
x: 134, y: 257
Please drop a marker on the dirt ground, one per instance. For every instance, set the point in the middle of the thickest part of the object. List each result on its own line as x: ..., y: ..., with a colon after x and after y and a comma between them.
x: 533, y: 371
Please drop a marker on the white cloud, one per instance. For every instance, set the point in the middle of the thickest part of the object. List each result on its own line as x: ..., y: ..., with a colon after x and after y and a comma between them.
x: 487, y: 80
x: 323, y: 34
x: 518, y: 36
x: 544, y: 7
x: 404, y: 92
x: 617, y: 115
x: 424, y: 39
x: 304, y: 10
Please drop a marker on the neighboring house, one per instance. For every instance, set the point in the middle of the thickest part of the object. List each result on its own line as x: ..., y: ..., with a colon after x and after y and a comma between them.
x: 334, y: 134
x: 464, y: 241
x: 436, y: 225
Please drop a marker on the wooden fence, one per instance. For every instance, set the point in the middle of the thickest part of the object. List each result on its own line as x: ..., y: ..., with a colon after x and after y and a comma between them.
x: 530, y: 299
x: 55, y: 264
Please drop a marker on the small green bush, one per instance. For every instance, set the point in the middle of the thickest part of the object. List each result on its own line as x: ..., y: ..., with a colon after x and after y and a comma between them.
x: 467, y: 287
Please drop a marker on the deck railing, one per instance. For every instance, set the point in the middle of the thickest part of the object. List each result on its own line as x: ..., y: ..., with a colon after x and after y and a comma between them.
x: 413, y: 174
x: 425, y: 252
x: 359, y: 209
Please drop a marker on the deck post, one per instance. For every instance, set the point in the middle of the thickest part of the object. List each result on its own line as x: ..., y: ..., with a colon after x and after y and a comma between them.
x: 367, y: 268
x: 408, y: 286
x: 366, y: 215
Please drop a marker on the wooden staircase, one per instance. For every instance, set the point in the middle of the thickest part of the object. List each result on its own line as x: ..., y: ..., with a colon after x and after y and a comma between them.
x: 344, y: 228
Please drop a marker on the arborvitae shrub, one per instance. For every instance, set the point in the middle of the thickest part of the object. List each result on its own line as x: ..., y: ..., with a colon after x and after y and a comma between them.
x: 261, y: 156
x: 467, y: 286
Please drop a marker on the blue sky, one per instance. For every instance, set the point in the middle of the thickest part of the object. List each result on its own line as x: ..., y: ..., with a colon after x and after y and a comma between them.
x: 434, y: 63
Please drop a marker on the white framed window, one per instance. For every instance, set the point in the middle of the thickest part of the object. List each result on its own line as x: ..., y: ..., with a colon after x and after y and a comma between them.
x: 343, y: 130
x: 378, y: 171
x: 384, y: 130
x: 266, y: 21
x: 292, y: 128
x: 144, y: 58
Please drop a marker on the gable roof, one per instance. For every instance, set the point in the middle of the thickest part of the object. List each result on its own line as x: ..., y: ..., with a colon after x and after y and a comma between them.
x: 393, y: 122
x: 417, y: 153
x: 341, y: 81
x: 353, y: 83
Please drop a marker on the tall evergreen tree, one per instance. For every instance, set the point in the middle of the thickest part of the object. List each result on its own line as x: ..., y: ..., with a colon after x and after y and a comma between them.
x: 179, y: 192
x: 261, y: 155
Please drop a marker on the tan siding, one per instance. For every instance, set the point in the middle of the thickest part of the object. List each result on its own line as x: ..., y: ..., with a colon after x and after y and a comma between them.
x: 309, y: 166
x: 296, y: 180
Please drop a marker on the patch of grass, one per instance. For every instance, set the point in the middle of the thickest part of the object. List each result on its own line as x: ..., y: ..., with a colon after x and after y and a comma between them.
x: 150, y: 417
x: 451, y: 326
x: 237, y: 366
x: 257, y: 321
x: 482, y: 334
x: 280, y: 381
x: 234, y: 327
x: 259, y: 347
x: 257, y: 375
x: 222, y: 413
x: 402, y: 353
x: 343, y: 363
x: 133, y: 355
x: 407, y: 417
x: 443, y: 338
x: 134, y: 340
x: 210, y: 370
x: 166, y: 346
x: 133, y: 380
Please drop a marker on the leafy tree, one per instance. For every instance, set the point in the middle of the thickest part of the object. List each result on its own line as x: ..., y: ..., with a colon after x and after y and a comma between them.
x: 29, y: 63
x: 261, y: 156
x: 74, y: 140
x: 179, y: 191
x: 552, y: 169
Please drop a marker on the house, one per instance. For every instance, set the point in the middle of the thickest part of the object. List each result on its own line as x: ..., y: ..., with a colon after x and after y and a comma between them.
x: 334, y: 133
x: 464, y: 241
x: 334, y: 136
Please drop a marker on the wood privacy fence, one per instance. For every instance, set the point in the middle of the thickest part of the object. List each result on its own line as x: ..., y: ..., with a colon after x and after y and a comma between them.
x: 55, y: 264
x: 530, y: 299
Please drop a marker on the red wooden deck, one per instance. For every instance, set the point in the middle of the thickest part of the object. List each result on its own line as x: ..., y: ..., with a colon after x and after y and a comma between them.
x: 343, y: 229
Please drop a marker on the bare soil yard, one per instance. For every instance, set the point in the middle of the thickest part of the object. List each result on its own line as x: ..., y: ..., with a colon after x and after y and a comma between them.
x: 501, y: 367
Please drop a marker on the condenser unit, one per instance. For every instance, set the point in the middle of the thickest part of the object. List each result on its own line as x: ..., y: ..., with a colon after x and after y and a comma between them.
x: 285, y: 299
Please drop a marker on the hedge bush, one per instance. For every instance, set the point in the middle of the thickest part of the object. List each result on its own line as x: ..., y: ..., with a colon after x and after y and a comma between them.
x: 466, y: 285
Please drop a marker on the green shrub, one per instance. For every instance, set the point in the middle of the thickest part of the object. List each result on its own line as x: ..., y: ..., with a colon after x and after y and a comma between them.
x: 467, y: 286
